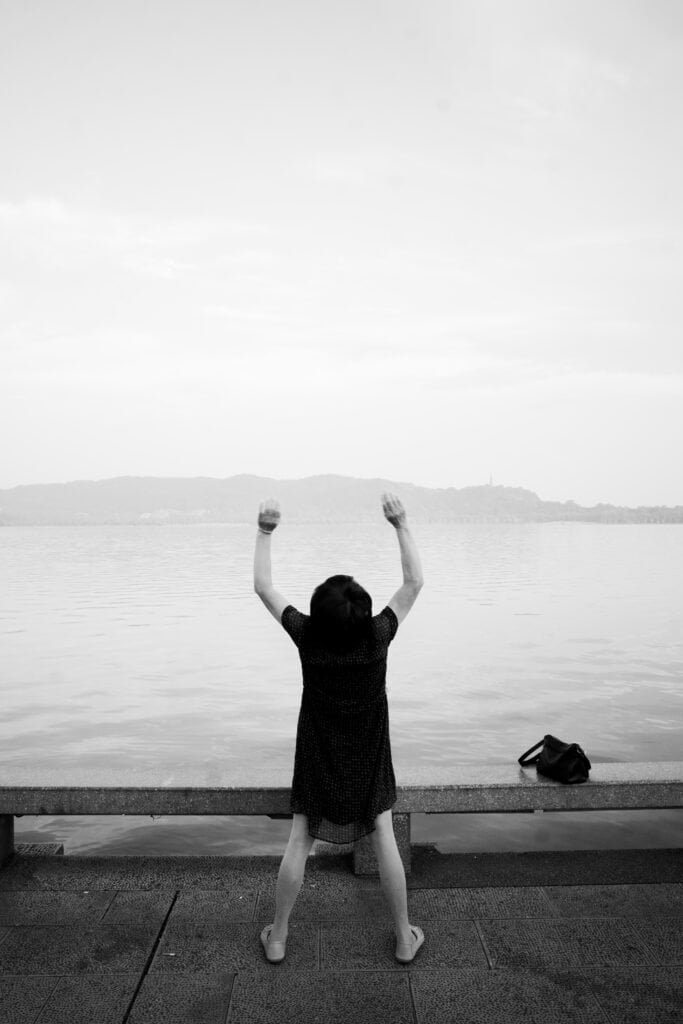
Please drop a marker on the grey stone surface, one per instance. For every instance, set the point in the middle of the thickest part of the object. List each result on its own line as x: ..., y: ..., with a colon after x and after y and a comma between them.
x: 199, y: 998
x: 329, y: 902
x: 639, y: 995
x: 76, y: 799
x: 323, y: 869
x: 434, y: 870
x: 344, y: 998
x: 564, y: 943
x: 22, y: 998
x: 508, y: 901
x: 62, y: 908
x: 214, y: 906
x: 663, y: 937
x: 360, y: 946
x: 135, y: 907
x: 431, y: 870
x: 49, y: 950
x: 214, y: 948
x: 211, y: 777
x: 654, y: 900
x: 137, y: 873
x: 579, y: 949
x: 478, y: 903
x: 470, y: 788
x: 86, y: 999
x: 482, y: 788
x: 504, y: 997
x: 439, y: 904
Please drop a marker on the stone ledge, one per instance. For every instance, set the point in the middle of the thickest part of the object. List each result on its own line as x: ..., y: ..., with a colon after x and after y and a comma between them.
x: 469, y: 789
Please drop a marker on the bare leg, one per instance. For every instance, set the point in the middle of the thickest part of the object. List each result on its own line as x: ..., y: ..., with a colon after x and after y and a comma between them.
x: 291, y: 875
x: 392, y: 874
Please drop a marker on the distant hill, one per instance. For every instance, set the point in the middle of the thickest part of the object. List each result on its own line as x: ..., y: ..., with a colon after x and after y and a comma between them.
x: 158, y: 500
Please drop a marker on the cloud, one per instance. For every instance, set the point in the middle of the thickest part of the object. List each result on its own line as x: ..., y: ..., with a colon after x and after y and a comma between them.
x: 243, y: 315
x: 35, y: 211
x: 642, y: 238
x: 555, y: 384
x: 149, y: 264
x: 55, y: 234
x: 577, y: 75
x: 370, y: 166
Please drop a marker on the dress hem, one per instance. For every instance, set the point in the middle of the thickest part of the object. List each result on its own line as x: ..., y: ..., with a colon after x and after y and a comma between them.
x: 367, y: 827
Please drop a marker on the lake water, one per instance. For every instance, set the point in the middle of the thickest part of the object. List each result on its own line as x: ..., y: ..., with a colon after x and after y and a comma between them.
x: 146, y: 647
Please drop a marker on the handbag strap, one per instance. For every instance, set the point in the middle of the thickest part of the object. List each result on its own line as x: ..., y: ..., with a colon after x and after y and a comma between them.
x: 525, y: 760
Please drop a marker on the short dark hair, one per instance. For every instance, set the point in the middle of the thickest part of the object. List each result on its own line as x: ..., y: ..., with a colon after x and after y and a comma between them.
x: 340, y: 611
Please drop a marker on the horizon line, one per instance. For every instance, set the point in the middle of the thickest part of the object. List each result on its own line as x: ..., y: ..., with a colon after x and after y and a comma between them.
x: 339, y: 476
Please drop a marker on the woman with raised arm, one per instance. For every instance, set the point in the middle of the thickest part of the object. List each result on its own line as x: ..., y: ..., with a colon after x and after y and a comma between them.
x: 343, y: 785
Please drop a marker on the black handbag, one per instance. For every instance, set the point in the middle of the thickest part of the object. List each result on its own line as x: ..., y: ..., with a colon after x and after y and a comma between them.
x: 564, y: 762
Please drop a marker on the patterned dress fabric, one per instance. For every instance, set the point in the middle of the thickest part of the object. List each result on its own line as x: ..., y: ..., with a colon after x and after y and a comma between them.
x: 343, y: 772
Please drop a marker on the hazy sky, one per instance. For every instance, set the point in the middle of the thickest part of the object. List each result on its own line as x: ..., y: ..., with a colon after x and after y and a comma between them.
x: 422, y: 240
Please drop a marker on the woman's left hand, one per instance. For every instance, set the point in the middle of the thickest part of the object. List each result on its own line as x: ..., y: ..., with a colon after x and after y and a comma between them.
x: 268, y: 515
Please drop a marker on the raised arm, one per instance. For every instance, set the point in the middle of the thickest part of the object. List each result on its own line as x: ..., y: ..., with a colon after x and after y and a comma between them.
x: 268, y: 518
x: 404, y: 598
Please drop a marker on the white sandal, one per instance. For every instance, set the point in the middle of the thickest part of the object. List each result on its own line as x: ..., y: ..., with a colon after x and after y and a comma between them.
x: 275, y: 951
x: 406, y: 953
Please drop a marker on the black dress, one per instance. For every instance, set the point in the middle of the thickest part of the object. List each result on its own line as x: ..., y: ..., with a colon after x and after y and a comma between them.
x: 343, y: 773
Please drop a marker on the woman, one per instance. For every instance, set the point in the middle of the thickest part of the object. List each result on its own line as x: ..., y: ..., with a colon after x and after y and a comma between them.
x: 343, y: 785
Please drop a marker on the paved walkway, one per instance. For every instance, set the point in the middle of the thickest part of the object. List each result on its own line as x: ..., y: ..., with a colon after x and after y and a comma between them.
x: 590, y: 938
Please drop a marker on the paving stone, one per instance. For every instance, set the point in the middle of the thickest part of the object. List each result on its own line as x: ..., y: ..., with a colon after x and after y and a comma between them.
x: 360, y: 946
x: 614, y: 947
x: 504, y: 997
x: 477, y: 903
x: 22, y: 998
x: 169, y: 999
x: 135, y: 873
x: 213, y: 948
x: 430, y: 870
x: 507, y: 901
x: 434, y: 870
x: 641, y: 995
x: 320, y: 881
x: 58, y: 908
x: 329, y: 903
x: 338, y: 998
x: 564, y: 943
x: 665, y: 899
x: 139, y: 907
x: 438, y: 904
x: 337, y: 870
x: 199, y: 906
x: 86, y: 998
x: 664, y: 938
x: 50, y: 950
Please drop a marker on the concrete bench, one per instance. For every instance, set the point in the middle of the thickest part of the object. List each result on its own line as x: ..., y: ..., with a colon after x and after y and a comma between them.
x: 469, y: 789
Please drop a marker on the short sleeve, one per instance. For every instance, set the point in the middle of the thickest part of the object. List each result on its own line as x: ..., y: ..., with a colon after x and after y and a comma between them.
x: 386, y: 625
x: 294, y: 623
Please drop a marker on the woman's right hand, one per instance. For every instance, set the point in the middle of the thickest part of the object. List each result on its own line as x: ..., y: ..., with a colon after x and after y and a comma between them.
x: 393, y: 510
x: 268, y: 515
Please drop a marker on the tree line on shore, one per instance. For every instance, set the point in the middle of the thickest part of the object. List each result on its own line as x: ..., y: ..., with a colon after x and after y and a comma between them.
x: 329, y: 498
